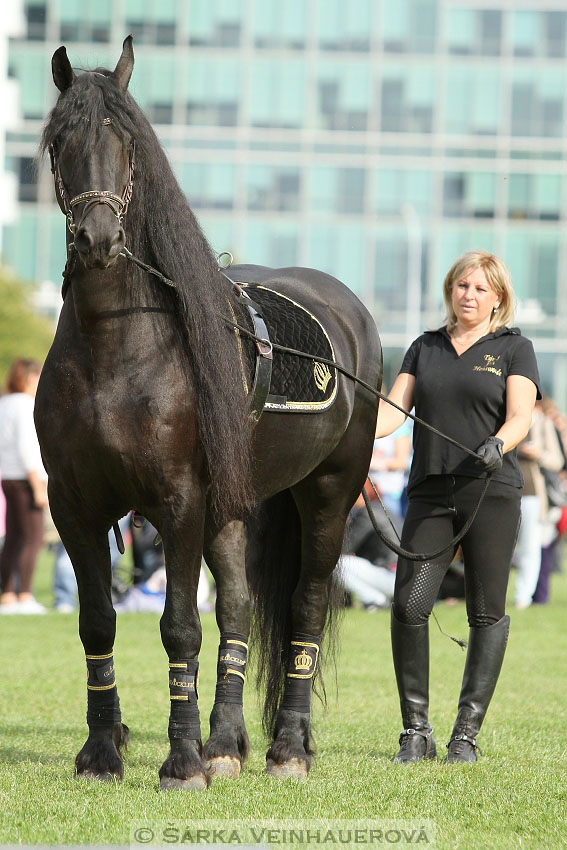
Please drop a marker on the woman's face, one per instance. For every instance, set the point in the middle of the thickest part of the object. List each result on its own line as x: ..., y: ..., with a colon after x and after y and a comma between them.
x: 473, y: 299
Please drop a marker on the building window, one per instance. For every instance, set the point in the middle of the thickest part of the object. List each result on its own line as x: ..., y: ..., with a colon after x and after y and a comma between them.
x: 534, y: 196
x: 27, y: 182
x: 533, y: 260
x: 275, y: 188
x: 277, y: 24
x: 213, y: 91
x: 214, y: 23
x: 209, y: 185
x: 271, y: 242
x: 338, y: 249
x: 36, y: 20
x: 345, y: 26
x: 537, y: 103
x: 398, y: 188
x: 86, y: 21
x: 277, y: 95
x: 337, y: 190
x: 474, y: 32
x: 343, y: 96
x: 409, y: 26
x: 555, y: 34
x: 407, y: 100
x: 471, y: 195
x: 473, y: 101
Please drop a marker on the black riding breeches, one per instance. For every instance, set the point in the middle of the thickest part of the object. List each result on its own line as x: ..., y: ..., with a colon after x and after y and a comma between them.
x: 438, y: 509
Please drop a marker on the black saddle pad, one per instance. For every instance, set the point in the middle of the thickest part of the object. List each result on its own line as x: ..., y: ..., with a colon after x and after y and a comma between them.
x: 298, y: 384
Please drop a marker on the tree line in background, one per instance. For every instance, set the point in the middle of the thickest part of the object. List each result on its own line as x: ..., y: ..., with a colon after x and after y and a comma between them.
x: 22, y: 332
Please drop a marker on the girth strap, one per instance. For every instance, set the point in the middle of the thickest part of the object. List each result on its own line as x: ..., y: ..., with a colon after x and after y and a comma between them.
x: 263, y: 372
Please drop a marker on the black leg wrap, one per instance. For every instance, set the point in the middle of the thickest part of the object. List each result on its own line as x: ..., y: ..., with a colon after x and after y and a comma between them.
x: 103, y: 705
x: 184, y: 719
x: 231, y: 668
x: 304, y: 652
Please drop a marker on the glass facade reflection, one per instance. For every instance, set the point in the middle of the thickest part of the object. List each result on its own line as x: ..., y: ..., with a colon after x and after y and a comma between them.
x: 367, y: 139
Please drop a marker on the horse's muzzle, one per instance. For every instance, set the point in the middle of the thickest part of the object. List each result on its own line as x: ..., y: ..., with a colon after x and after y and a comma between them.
x: 99, y: 253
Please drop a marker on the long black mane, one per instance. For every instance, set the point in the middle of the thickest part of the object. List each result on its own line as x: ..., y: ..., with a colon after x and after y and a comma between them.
x: 161, y: 229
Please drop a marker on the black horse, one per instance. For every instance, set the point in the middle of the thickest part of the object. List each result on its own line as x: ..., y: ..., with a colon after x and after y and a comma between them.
x: 142, y: 405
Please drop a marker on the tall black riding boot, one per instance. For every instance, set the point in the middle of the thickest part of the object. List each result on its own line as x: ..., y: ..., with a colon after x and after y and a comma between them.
x: 410, y: 649
x: 482, y: 668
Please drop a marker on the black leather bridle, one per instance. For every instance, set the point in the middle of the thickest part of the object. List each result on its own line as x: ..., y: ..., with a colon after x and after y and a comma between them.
x: 91, y: 198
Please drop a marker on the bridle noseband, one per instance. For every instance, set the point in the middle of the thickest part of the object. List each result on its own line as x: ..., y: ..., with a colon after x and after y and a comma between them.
x: 117, y: 203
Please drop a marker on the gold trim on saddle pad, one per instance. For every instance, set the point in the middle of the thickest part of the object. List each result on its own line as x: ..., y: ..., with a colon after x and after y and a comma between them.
x: 322, y: 374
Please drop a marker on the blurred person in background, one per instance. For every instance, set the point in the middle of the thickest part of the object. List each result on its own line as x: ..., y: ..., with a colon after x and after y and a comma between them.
x: 554, y: 526
x: 540, y: 450
x: 24, y: 483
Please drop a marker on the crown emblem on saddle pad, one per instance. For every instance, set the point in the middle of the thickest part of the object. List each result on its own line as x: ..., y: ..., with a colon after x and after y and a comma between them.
x: 303, y: 661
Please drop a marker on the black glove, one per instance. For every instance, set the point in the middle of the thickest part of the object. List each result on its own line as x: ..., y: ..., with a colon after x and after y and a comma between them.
x: 490, y: 454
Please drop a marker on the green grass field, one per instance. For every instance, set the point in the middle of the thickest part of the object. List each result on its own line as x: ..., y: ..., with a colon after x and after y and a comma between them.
x: 515, y: 796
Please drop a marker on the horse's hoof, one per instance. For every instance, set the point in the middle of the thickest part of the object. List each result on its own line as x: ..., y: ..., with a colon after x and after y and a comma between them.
x: 294, y: 768
x: 91, y: 776
x: 194, y: 783
x: 226, y: 766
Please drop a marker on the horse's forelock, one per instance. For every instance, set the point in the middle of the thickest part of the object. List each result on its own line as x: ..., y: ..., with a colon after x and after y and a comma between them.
x: 77, y: 117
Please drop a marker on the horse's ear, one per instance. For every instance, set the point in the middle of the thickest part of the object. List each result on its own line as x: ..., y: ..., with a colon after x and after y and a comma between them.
x: 125, y: 65
x: 63, y: 74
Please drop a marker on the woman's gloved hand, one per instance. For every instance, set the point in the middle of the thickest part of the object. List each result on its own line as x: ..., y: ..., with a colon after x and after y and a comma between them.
x: 490, y: 454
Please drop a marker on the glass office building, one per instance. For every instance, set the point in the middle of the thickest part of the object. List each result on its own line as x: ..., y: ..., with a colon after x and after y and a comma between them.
x: 374, y: 139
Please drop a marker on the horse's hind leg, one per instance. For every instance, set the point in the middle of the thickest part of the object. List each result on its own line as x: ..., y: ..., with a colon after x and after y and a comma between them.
x: 88, y: 549
x: 323, y: 507
x: 227, y: 746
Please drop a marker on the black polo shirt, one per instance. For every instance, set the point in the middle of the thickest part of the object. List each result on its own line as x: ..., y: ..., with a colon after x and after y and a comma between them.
x: 464, y: 396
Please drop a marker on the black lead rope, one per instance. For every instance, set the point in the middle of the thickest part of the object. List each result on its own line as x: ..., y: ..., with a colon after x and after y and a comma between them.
x: 417, y: 556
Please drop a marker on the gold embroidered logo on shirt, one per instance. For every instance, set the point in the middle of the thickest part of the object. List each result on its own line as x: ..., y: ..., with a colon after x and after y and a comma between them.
x: 489, y: 366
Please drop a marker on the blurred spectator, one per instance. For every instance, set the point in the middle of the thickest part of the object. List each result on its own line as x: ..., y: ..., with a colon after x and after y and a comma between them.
x: 367, y: 564
x: 540, y: 449
x: 389, y: 467
x: 556, y: 496
x: 64, y: 582
x: 24, y: 483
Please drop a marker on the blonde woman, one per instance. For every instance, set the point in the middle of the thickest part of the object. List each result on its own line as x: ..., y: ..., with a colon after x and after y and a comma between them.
x: 475, y: 379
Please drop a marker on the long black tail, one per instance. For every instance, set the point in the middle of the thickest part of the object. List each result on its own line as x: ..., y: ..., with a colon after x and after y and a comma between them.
x: 273, y: 563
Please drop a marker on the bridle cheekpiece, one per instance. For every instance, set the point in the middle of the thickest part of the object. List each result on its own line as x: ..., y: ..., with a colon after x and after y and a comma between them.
x: 118, y: 204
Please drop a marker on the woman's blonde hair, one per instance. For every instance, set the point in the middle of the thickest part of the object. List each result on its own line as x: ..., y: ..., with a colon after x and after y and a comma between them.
x: 497, y: 275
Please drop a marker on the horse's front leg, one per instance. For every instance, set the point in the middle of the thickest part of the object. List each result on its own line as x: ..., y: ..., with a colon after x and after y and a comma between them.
x: 88, y: 549
x: 181, y: 637
x: 228, y: 746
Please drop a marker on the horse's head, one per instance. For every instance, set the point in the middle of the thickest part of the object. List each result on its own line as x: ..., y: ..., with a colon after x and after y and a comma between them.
x: 92, y: 158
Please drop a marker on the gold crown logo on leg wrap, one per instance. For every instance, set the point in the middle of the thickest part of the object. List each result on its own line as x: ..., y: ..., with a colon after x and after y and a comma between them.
x: 303, y: 659
x: 302, y: 664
